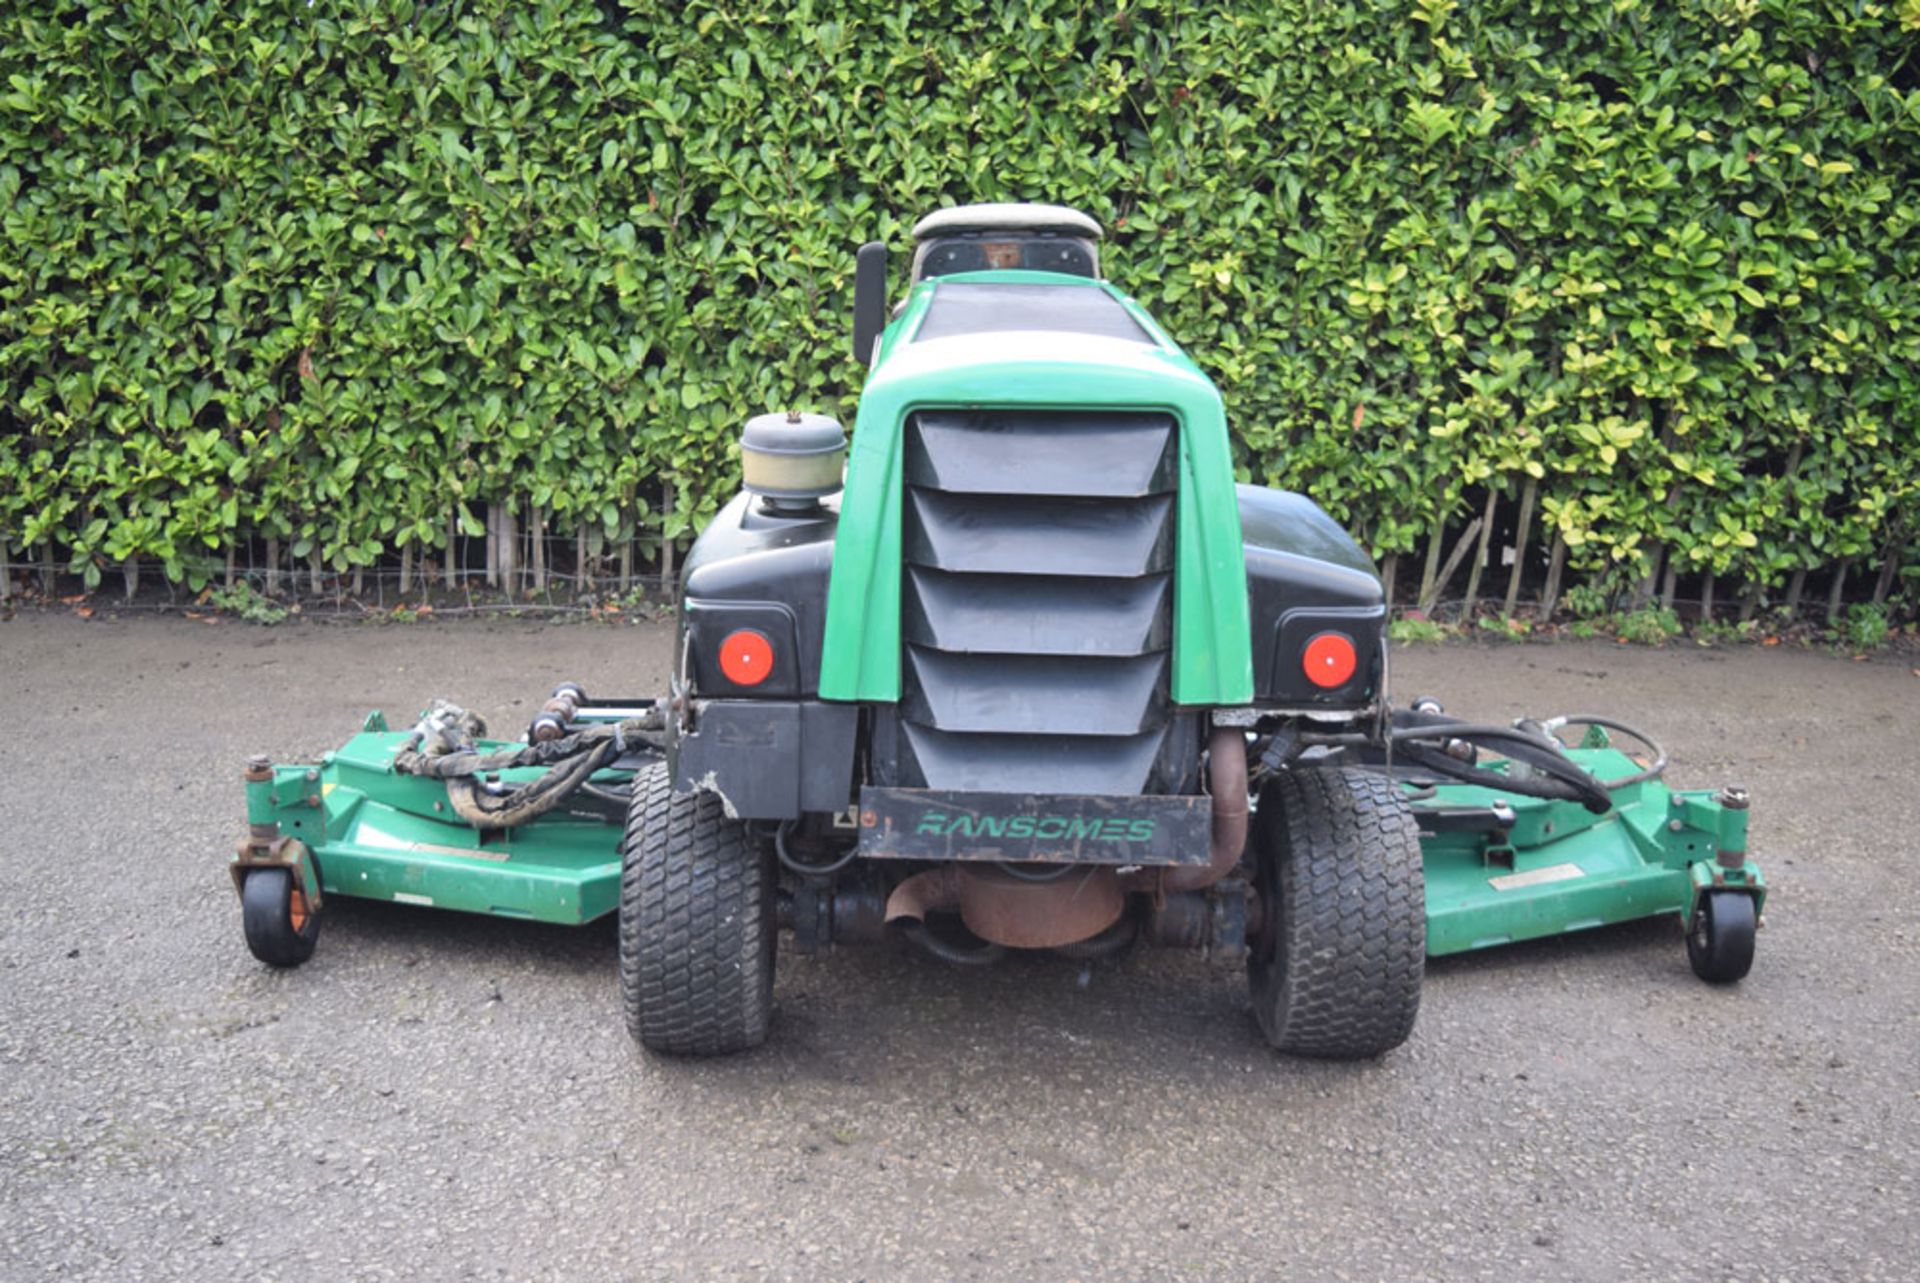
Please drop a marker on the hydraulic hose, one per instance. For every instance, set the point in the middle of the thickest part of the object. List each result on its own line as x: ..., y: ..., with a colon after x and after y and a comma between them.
x: 984, y: 954
x: 442, y: 747
x: 1423, y: 737
x: 1651, y: 772
x: 484, y: 809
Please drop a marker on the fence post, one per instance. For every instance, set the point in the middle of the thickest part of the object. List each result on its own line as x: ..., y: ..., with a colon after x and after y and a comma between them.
x: 1556, y: 562
x: 666, y: 544
x: 537, y: 535
x: 1480, y: 557
x: 1520, y: 538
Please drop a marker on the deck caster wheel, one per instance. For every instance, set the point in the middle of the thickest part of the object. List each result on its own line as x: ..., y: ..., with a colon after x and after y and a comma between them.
x: 1335, y: 970
x: 1720, y: 941
x: 697, y: 923
x: 282, y: 927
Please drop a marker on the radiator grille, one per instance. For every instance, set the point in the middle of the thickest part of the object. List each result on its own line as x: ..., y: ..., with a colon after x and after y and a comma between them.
x: 1038, y: 600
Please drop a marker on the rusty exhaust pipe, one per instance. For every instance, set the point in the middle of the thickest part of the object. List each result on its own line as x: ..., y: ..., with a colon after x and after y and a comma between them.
x: 1006, y: 909
x: 1227, y: 778
x: 924, y: 893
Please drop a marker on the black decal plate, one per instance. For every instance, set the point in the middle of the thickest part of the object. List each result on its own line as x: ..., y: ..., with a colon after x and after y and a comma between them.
x: 942, y: 824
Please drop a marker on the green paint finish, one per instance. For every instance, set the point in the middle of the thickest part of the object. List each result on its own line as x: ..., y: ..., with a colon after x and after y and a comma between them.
x: 1212, y: 644
x: 384, y: 836
x: 1563, y: 869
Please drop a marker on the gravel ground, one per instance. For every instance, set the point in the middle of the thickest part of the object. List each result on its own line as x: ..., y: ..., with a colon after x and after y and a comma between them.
x: 437, y: 1096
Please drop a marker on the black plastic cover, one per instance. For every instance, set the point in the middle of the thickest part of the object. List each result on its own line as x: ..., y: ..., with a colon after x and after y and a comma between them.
x: 1018, y: 694
x: 1305, y: 576
x: 1037, y: 615
x: 1056, y: 453
x: 750, y: 568
x: 1015, y: 535
x: 769, y: 759
x: 1038, y: 602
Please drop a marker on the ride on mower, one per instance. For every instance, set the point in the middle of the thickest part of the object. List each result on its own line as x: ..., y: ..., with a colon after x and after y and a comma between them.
x: 1039, y: 676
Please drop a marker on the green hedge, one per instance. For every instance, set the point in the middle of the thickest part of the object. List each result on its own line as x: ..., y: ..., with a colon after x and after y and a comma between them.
x: 326, y: 274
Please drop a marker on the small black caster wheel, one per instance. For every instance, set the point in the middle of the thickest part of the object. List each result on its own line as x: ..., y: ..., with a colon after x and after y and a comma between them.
x: 1427, y: 704
x: 1720, y: 941
x: 282, y: 927
x: 546, y: 727
x: 570, y: 690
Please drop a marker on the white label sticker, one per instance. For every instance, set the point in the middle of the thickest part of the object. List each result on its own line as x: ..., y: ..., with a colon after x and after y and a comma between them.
x: 1534, y: 877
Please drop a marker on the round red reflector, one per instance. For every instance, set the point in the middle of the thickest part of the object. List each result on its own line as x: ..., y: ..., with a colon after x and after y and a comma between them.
x: 746, y: 657
x: 1329, y: 660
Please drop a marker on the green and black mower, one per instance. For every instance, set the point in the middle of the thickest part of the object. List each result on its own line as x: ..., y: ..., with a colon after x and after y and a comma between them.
x: 1025, y: 671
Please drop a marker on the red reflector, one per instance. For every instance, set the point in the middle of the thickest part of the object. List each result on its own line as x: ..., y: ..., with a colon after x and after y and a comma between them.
x: 746, y: 657
x: 1329, y: 660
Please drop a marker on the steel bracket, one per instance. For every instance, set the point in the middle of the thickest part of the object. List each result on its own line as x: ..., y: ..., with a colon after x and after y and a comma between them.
x: 276, y: 853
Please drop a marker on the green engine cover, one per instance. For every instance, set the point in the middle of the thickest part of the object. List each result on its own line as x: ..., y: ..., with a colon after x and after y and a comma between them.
x: 1037, y: 369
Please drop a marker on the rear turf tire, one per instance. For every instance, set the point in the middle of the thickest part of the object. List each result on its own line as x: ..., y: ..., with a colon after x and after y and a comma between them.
x: 697, y: 924
x: 1336, y: 968
x: 1720, y: 940
x: 282, y: 928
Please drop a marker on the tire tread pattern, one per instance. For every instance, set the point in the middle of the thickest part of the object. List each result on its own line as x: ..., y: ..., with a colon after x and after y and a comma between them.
x: 697, y: 924
x: 1346, y: 968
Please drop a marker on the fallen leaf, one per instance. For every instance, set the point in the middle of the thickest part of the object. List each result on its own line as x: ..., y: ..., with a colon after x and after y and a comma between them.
x: 194, y: 614
x: 74, y: 600
x: 1769, y: 641
x: 85, y: 612
x: 305, y: 365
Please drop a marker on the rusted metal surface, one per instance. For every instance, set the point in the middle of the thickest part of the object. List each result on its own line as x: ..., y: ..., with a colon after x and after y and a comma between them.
x: 275, y: 853
x: 555, y: 717
x: 925, y: 893
x: 1177, y: 921
x: 1006, y: 909
x: 1227, y: 777
x: 1001, y: 906
x: 1018, y: 828
x: 1000, y: 903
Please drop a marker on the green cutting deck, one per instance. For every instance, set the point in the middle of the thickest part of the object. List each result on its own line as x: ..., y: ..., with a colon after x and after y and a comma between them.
x: 1560, y: 868
x: 380, y: 835
x: 376, y: 834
